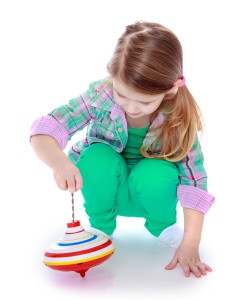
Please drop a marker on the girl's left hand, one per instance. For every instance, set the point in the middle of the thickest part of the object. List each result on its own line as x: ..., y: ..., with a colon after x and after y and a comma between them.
x: 187, y: 255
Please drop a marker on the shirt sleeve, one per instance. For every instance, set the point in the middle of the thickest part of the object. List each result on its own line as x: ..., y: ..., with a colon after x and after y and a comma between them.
x: 192, y: 190
x: 49, y: 126
x: 63, y: 122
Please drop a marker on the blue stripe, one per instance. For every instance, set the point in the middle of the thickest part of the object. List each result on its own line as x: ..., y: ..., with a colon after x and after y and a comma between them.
x: 77, y: 243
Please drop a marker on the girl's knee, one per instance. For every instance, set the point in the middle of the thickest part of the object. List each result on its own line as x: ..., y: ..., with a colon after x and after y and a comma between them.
x: 99, y: 152
x: 152, y: 172
x: 99, y: 156
x: 154, y: 184
x: 102, y: 170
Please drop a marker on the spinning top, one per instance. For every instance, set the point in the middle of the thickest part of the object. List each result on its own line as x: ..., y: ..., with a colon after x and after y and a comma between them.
x: 78, y: 250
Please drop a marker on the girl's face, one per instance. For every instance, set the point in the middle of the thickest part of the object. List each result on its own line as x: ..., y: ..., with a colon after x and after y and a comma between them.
x: 135, y: 104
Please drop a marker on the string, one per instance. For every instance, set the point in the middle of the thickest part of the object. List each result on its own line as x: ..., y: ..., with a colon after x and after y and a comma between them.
x: 72, y: 207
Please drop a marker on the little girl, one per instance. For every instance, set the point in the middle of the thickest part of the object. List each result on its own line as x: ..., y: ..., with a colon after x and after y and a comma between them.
x: 141, y: 153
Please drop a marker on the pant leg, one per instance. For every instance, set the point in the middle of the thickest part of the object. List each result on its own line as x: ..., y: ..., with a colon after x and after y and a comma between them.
x: 153, y: 183
x: 105, y: 174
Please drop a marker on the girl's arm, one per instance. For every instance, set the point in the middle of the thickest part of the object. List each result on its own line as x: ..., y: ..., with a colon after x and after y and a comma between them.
x: 66, y: 174
x: 187, y: 254
x: 192, y: 191
x: 193, y: 224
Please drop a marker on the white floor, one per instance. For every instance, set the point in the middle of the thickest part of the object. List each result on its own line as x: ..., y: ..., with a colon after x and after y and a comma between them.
x: 136, y: 268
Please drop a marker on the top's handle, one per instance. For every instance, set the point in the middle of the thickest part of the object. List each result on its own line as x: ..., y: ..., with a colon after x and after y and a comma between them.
x: 72, y: 206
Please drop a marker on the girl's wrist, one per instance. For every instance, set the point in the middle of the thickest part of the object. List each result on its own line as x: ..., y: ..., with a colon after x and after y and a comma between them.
x: 193, y: 242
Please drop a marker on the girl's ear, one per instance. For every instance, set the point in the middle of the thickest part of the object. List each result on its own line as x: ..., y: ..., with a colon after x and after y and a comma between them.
x: 174, y: 88
x: 173, y: 91
x: 179, y: 83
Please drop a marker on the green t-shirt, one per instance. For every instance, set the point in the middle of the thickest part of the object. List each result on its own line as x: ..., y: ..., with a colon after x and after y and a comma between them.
x: 131, y: 152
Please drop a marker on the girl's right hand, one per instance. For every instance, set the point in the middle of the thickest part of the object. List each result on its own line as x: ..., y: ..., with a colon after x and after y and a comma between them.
x: 67, y: 176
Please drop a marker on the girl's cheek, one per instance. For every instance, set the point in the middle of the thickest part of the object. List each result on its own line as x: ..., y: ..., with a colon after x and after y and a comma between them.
x: 149, y: 109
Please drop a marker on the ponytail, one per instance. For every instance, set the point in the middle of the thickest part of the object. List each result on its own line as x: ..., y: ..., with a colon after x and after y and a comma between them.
x: 177, y: 133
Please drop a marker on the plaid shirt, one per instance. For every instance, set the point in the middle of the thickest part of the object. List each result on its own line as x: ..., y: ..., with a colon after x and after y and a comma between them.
x: 106, y: 123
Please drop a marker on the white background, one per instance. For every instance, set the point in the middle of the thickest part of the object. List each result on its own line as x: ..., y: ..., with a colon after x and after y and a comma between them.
x: 50, y: 51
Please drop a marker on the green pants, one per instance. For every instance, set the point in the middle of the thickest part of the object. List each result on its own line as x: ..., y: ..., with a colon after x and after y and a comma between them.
x: 111, y: 189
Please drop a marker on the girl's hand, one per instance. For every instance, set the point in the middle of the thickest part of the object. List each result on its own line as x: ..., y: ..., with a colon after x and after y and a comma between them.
x: 187, y: 256
x: 67, y: 176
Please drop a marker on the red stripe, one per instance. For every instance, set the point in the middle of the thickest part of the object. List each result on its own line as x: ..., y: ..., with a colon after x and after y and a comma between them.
x: 74, y: 232
x: 49, y: 254
x: 80, y: 268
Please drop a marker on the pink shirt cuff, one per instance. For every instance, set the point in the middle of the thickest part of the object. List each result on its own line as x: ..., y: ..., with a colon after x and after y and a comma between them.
x: 194, y: 198
x: 49, y: 126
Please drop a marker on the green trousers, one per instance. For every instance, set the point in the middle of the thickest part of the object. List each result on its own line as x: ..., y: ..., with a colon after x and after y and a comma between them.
x: 111, y: 188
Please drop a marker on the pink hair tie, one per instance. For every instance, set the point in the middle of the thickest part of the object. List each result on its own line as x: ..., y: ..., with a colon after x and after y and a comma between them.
x: 182, y: 82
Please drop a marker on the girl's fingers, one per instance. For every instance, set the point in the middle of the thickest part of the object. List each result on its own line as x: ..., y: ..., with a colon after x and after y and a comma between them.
x: 197, y: 269
x: 79, y: 182
x: 62, y: 184
x: 71, y: 185
x: 208, y: 268
x: 172, y: 264
x: 74, y: 184
x: 186, y: 269
x: 203, y: 268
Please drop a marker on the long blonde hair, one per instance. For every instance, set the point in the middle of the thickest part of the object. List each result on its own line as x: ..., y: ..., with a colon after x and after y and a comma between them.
x: 148, y: 58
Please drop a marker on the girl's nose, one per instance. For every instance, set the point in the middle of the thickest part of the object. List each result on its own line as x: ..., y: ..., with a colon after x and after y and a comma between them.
x: 131, y: 108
